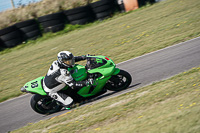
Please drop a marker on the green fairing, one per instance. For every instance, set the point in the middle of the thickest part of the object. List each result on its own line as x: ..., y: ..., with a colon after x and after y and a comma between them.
x: 106, y: 68
x: 35, y: 86
x: 98, y: 87
x: 117, y: 70
x: 99, y: 60
x: 78, y: 72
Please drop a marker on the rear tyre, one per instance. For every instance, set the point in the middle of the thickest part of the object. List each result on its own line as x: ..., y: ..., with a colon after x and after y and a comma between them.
x: 51, y: 23
x: 119, y: 82
x: 12, y: 43
x: 55, y: 28
x: 80, y: 21
x: 54, y: 16
x: 11, y: 35
x: 103, y: 15
x: 44, y: 104
x: 26, y: 23
x: 30, y: 28
x: 8, y: 30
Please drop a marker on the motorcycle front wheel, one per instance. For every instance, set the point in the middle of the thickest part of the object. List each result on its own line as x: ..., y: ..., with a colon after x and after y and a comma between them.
x: 44, y: 104
x: 119, y: 82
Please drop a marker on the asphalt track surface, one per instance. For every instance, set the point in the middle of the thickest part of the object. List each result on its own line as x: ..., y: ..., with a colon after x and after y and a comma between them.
x: 146, y: 69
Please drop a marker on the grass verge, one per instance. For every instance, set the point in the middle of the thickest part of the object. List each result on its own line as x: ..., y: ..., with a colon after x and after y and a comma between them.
x: 168, y: 106
x: 120, y: 38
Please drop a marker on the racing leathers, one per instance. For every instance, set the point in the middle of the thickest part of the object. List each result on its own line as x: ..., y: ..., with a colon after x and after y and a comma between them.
x: 57, y: 78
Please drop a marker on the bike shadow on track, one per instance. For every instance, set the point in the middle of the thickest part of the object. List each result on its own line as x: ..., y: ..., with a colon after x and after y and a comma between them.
x: 114, y: 92
x: 106, y: 95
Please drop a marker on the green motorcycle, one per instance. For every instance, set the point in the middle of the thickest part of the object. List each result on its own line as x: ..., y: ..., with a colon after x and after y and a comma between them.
x: 101, y: 68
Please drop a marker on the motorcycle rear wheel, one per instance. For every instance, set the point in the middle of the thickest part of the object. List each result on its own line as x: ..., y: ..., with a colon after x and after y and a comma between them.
x: 119, y: 82
x: 44, y: 104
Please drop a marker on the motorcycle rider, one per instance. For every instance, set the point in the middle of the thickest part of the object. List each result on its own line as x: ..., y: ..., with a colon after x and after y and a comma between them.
x: 58, y: 77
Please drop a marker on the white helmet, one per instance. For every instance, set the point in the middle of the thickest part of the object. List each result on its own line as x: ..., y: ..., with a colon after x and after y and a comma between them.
x: 66, y: 58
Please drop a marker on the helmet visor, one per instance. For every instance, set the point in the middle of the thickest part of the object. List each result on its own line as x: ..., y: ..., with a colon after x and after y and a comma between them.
x: 70, y: 62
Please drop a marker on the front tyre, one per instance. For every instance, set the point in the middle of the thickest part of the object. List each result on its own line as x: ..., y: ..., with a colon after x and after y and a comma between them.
x: 44, y: 104
x: 119, y: 82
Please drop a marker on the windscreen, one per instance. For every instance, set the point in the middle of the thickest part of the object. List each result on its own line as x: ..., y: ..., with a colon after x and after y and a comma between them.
x: 94, y: 62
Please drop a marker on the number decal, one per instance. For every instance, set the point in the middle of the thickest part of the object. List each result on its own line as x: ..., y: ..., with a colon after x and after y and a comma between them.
x: 51, y: 68
x: 99, y: 60
x: 34, y: 84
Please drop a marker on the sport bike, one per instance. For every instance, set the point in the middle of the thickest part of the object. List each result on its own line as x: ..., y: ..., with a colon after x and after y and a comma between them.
x: 100, y: 68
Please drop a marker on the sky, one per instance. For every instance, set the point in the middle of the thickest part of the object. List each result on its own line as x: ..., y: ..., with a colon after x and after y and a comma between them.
x: 6, y: 4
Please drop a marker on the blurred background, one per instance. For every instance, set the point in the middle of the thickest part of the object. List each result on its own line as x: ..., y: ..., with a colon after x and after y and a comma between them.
x: 9, y: 4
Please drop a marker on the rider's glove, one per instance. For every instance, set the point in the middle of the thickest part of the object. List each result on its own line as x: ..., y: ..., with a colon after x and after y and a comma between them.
x: 90, y: 82
x: 83, y: 57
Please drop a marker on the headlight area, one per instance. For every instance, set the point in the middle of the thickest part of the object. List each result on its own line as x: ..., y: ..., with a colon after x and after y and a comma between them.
x: 23, y: 89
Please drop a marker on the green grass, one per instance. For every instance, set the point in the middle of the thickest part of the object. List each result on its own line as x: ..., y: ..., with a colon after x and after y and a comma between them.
x: 170, y: 106
x: 120, y: 38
